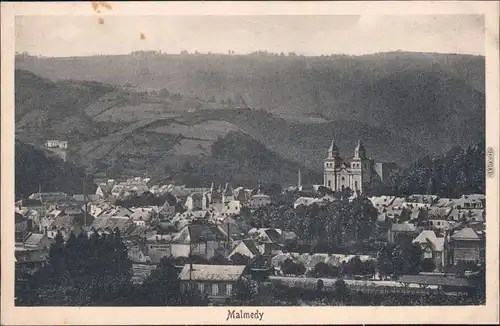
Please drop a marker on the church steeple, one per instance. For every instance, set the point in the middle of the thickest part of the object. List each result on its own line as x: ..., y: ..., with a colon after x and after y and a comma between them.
x: 359, y: 151
x: 333, y: 150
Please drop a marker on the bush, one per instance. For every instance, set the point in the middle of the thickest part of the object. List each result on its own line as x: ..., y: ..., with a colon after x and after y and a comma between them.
x: 322, y: 269
x: 293, y: 268
x: 428, y: 265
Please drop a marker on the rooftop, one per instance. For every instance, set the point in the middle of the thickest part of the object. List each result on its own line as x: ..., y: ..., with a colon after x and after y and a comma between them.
x: 231, y: 273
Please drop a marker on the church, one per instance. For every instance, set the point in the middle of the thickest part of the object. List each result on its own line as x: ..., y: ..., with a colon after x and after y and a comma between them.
x: 360, y: 174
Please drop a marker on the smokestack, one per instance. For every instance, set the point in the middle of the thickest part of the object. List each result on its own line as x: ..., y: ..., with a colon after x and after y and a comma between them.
x: 299, y: 180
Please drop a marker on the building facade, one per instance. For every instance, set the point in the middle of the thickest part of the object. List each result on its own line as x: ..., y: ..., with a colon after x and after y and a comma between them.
x: 359, y: 174
x: 339, y: 174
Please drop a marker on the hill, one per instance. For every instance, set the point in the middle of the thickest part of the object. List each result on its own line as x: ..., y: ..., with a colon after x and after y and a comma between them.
x: 46, y: 109
x: 417, y: 96
x: 36, y: 169
x: 238, y: 158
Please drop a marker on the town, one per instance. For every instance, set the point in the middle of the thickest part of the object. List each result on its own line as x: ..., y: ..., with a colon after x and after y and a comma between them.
x: 225, y: 244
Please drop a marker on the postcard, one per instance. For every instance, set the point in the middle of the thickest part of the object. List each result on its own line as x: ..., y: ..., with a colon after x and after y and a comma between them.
x: 250, y: 163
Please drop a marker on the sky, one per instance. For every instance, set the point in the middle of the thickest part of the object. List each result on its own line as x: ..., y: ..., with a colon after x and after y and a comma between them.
x: 62, y: 36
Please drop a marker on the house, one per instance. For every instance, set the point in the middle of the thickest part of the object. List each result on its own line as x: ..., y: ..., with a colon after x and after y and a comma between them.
x: 63, y: 224
x: 467, y: 246
x: 22, y: 226
x: 217, y: 282
x: 49, y: 197
x: 440, y: 224
x: 167, y: 210
x: 201, y: 239
x: 104, y: 190
x: 265, y: 235
x: 433, y: 247
x: 267, y: 240
x: 120, y: 212
x: 400, y: 233
x: 382, y: 202
x: 29, y: 260
x: 306, y: 201
x: 420, y: 201
x: 107, y: 224
x: 470, y: 215
x: 31, y: 205
x: 444, y: 202
x: 470, y: 202
x: 142, y: 216
x: 37, y: 241
x: 197, y: 201
x: 231, y: 208
x: 235, y: 228
x: 246, y: 248
x: 119, y: 190
x: 259, y: 200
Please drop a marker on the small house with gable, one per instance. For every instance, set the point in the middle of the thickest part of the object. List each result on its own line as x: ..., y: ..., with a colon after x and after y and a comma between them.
x: 217, y: 282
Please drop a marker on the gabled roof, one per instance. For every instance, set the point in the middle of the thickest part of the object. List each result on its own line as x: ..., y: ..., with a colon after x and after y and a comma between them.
x: 230, y: 273
x: 201, y: 233
x: 34, y: 239
x: 271, y: 234
x: 466, y: 234
x: 430, y: 238
x: 111, y: 223
x: 63, y: 222
x: 251, y: 247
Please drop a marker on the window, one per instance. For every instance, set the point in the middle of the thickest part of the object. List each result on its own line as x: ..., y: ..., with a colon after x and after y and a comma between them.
x: 229, y: 289
x: 329, y: 183
x: 355, y: 185
x: 201, y: 287
x: 215, y: 289
x: 343, y: 178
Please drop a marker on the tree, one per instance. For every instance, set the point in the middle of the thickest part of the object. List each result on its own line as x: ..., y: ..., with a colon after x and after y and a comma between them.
x: 320, y: 285
x: 340, y: 288
x: 244, y: 290
x: 274, y: 190
x: 428, y: 265
x: 384, y: 260
x: 162, y: 285
x: 322, y: 269
x: 56, y: 257
x: 219, y: 259
x: 293, y: 268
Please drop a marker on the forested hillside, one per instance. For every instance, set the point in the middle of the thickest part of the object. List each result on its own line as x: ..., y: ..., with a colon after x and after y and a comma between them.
x: 36, y: 169
x: 460, y: 171
x: 418, y: 96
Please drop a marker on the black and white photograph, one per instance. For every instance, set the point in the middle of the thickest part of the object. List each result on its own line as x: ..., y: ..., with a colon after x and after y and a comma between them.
x: 249, y: 161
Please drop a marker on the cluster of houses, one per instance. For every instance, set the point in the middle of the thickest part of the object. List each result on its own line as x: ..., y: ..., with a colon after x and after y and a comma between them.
x: 207, y: 222
x: 449, y: 230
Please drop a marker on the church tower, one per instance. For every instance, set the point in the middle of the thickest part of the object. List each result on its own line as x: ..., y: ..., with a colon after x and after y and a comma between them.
x: 360, y: 168
x: 331, y: 166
